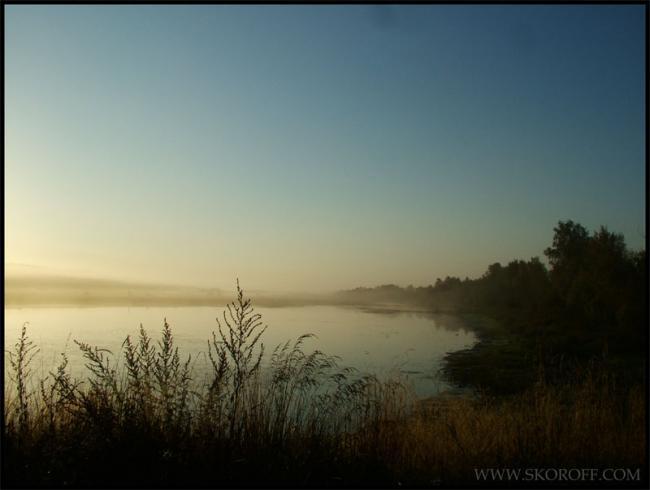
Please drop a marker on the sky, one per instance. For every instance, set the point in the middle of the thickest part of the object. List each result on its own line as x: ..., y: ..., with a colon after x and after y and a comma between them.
x: 306, y: 148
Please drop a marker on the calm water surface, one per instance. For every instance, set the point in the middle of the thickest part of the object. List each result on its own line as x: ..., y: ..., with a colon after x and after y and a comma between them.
x: 385, y: 343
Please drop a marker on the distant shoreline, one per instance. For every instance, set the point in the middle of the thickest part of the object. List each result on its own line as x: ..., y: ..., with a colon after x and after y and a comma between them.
x: 272, y: 302
x: 74, y: 292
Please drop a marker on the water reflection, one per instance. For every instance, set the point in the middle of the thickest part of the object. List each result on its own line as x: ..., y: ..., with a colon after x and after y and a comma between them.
x: 386, y: 341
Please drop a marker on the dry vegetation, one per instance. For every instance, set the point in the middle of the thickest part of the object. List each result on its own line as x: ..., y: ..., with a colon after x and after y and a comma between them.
x: 303, y: 421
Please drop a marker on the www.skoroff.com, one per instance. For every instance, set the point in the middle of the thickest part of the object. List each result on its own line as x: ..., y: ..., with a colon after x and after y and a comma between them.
x: 558, y: 474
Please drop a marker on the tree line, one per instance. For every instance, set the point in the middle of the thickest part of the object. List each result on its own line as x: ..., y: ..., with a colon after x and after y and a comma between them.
x: 591, y: 299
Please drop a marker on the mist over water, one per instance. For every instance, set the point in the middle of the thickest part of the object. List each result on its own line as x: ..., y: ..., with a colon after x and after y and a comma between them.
x: 395, y: 343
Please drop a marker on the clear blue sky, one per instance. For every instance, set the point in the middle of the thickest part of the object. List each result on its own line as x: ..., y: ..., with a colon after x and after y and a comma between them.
x: 314, y: 148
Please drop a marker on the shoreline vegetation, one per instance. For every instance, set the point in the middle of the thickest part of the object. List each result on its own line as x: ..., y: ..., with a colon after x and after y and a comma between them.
x: 590, y: 306
x: 559, y: 376
x: 303, y: 422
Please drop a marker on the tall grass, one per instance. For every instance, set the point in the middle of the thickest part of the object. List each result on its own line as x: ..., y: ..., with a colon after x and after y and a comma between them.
x: 300, y: 421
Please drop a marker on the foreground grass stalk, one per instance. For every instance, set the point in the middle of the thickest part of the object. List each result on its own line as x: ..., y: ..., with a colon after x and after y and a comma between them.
x: 20, y: 360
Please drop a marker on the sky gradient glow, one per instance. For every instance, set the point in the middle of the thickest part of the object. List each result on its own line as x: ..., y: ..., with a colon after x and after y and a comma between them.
x: 316, y: 148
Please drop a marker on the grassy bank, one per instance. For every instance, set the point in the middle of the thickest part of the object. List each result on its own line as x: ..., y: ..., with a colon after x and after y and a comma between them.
x: 302, y: 422
x: 508, y: 360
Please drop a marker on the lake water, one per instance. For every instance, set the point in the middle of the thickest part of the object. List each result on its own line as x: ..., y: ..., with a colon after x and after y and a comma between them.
x: 382, y: 342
